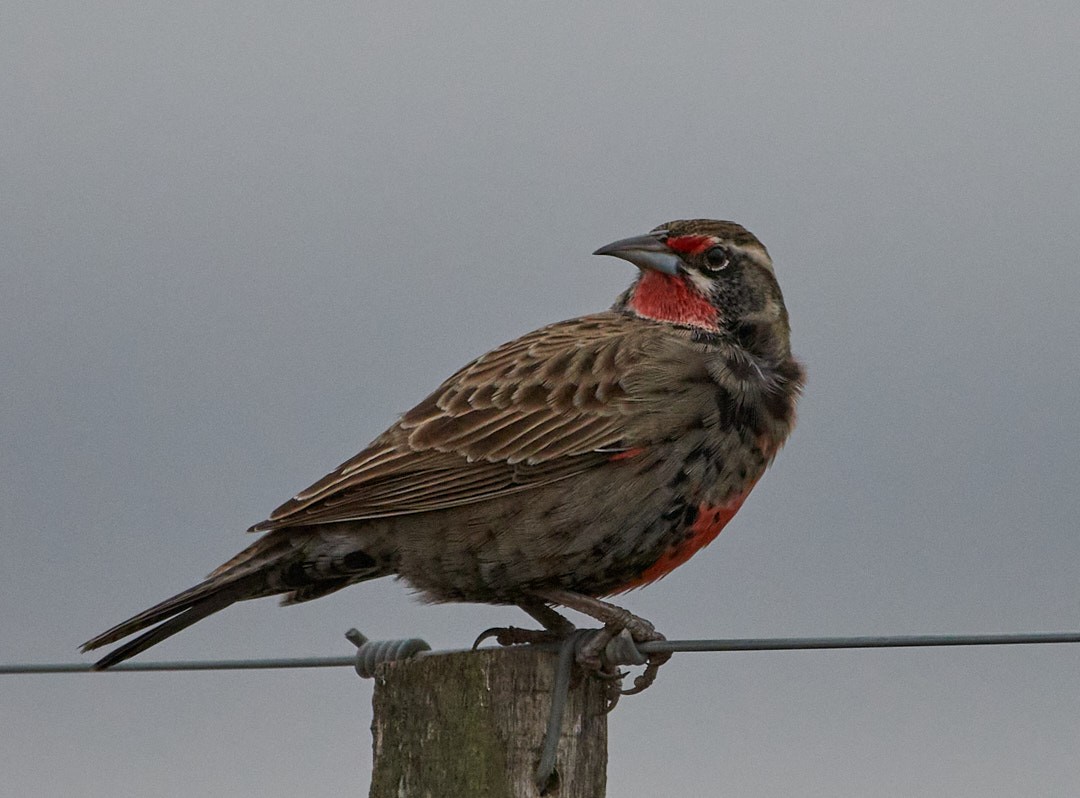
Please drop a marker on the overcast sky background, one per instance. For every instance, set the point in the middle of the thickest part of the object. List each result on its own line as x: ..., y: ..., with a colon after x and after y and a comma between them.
x: 239, y: 237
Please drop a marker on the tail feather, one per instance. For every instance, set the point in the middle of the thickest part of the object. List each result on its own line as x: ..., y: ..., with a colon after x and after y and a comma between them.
x: 194, y: 613
x: 274, y: 564
x: 248, y: 577
x: 159, y: 612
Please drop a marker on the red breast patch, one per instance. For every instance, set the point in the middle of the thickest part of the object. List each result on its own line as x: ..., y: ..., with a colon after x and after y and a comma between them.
x: 708, y: 523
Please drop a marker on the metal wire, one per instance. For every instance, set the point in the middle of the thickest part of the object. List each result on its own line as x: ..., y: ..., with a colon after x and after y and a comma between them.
x: 185, y: 665
x: 674, y: 646
x: 560, y: 690
x: 883, y: 641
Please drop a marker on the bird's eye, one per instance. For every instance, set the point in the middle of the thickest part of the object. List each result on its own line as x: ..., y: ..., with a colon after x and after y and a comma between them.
x: 717, y: 258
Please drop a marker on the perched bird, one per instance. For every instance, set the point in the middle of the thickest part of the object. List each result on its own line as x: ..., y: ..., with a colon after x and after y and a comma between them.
x: 581, y: 460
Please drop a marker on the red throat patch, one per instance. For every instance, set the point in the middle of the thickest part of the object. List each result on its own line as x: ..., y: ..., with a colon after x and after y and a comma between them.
x: 664, y: 297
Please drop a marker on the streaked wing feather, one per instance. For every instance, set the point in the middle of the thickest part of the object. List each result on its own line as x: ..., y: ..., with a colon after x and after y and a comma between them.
x: 487, y: 480
x: 530, y: 412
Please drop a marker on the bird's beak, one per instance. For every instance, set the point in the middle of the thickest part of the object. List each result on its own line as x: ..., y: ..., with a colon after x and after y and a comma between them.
x: 645, y: 252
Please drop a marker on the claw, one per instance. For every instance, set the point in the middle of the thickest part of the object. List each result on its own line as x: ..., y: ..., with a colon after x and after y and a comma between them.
x: 615, y: 645
x: 652, y: 666
x: 645, y: 679
x: 487, y: 634
x: 612, y: 698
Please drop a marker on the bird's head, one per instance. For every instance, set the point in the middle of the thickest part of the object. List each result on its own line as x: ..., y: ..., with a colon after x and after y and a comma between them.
x: 708, y: 275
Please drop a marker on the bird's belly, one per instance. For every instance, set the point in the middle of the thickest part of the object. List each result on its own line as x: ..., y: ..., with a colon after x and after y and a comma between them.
x: 607, y: 532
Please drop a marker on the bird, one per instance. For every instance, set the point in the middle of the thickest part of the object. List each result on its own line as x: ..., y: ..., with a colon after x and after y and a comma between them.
x: 577, y: 462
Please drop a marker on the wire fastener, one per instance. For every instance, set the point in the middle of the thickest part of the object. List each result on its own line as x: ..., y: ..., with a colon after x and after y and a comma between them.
x: 370, y: 653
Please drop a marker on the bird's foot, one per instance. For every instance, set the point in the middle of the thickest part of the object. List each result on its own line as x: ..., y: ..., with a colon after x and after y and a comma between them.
x: 599, y: 653
x: 619, y: 624
x: 616, y: 644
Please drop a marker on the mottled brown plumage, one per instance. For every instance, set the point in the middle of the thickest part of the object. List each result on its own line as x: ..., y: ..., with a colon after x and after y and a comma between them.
x: 577, y: 461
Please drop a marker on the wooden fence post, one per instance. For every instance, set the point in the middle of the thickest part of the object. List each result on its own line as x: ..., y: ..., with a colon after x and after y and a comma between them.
x: 472, y: 724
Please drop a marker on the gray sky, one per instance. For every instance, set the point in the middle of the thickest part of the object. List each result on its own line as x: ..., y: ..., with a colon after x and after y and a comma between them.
x: 238, y: 238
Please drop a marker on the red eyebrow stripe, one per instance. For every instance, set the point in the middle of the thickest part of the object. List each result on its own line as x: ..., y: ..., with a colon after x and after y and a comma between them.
x: 689, y: 245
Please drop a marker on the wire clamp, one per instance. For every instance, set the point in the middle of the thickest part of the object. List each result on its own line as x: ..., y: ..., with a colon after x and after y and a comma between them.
x: 370, y: 653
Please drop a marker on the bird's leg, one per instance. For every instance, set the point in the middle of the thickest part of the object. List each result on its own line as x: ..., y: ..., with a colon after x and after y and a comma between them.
x: 615, y: 620
x: 556, y: 627
x: 608, y: 614
x: 546, y: 616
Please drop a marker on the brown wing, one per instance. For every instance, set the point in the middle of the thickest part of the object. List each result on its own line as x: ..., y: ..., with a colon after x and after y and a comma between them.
x: 538, y: 409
